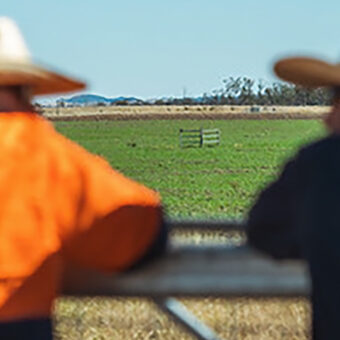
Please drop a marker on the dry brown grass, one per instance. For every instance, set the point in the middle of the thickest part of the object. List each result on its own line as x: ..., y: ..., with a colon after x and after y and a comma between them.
x: 185, y: 112
x: 124, y: 319
x: 232, y: 319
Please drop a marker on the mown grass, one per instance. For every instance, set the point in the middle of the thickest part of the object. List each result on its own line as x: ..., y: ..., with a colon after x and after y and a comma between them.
x: 217, y: 181
x: 214, y: 182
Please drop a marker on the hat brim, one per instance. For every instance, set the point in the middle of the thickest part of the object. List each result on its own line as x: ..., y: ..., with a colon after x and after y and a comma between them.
x: 40, y: 79
x: 308, y: 72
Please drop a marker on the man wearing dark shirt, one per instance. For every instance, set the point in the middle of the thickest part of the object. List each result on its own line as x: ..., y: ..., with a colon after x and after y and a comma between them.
x: 298, y: 215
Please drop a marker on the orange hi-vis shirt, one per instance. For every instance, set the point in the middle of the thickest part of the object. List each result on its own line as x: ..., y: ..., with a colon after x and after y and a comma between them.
x: 59, y: 204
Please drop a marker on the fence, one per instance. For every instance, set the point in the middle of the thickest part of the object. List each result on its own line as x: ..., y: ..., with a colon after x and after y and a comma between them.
x: 199, y: 137
x: 197, y: 271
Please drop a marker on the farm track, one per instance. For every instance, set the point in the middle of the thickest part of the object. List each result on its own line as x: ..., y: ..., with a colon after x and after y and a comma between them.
x: 185, y: 116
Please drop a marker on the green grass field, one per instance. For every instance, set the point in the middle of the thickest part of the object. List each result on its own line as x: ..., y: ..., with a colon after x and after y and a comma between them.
x: 197, y: 182
x: 208, y: 182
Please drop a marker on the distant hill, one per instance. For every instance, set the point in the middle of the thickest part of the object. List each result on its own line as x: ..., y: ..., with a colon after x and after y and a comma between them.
x: 93, y: 100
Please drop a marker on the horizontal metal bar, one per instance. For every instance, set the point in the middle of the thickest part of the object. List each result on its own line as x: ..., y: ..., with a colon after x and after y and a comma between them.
x: 197, y: 271
x: 193, y: 130
x: 198, y: 133
x: 190, y: 136
x: 211, y: 141
x: 211, y: 130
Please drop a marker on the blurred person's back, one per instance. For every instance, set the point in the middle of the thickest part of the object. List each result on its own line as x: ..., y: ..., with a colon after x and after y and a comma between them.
x: 60, y: 206
x: 51, y: 189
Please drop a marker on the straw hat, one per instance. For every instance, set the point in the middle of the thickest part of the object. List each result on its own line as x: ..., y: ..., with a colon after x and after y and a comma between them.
x: 17, y: 67
x: 308, y: 72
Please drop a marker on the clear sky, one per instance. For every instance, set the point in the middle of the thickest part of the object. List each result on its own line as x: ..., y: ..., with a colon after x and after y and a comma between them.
x: 156, y: 48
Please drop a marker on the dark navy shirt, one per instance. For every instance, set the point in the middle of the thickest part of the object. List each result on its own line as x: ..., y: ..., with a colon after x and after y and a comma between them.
x: 298, y: 216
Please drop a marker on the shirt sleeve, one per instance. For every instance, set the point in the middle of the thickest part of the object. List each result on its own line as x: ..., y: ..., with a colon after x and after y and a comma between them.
x: 271, y: 224
x: 117, y: 221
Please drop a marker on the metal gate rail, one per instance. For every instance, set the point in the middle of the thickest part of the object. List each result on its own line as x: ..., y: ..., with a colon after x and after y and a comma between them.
x: 195, y: 272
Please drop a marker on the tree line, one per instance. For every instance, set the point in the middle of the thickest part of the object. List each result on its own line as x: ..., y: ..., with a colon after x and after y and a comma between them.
x: 246, y: 91
x: 243, y: 91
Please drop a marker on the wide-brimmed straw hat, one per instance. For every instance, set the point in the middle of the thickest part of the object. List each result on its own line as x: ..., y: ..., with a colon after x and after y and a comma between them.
x: 17, y: 67
x: 308, y: 72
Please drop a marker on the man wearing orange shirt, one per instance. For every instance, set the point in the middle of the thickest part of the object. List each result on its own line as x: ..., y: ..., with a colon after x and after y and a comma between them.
x: 59, y: 204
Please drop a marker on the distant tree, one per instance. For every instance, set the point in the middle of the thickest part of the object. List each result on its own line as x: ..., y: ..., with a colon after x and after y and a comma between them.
x: 245, y: 91
x: 160, y: 102
x: 188, y: 101
x: 121, y: 102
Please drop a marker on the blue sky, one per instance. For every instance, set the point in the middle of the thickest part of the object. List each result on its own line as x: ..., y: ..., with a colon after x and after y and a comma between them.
x: 153, y: 48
